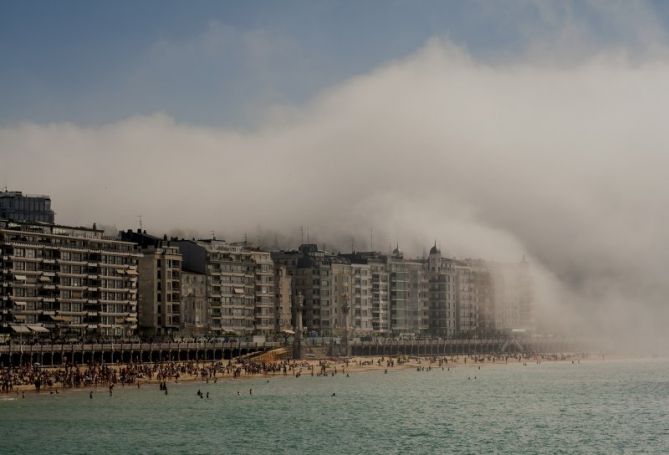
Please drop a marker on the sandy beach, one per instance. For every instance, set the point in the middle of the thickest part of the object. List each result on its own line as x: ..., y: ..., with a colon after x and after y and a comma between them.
x: 21, y: 380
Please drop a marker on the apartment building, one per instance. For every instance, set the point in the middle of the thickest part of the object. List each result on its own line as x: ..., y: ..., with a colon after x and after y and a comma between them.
x: 391, y: 294
x: 283, y: 298
x: 325, y: 282
x: 482, y: 296
x: 513, y: 296
x: 409, y: 294
x: 240, y: 284
x: 159, y: 303
x: 194, y: 304
x: 264, y: 289
x: 370, y: 306
x: 361, y: 312
x: 16, y: 206
x: 442, y: 294
x: 65, y: 281
x: 466, y: 305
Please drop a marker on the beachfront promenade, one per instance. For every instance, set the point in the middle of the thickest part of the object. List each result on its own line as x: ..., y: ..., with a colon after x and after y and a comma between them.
x: 125, y: 352
x: 83, y: 353
x: 437, y: 347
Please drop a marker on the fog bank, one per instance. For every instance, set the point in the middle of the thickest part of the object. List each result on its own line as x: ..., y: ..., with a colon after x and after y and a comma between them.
x: 563, y: 163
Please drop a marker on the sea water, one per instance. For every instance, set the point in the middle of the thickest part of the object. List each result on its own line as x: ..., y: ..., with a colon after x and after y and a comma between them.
x: 595, y: 407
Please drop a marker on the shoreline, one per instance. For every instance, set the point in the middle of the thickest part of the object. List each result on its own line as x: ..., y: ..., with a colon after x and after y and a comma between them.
x: 243, y: 370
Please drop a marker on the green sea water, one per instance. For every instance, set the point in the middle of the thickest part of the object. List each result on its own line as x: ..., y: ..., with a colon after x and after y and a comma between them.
x: 612, y: 407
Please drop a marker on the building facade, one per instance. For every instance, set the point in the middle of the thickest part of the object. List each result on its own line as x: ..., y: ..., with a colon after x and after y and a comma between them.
x: 325, y: 281
x: 240, y: 285
x: 513, y: 296
x: 283, y: 298
x: 442, y: 287
x: 361, y: 313
x: 264, y: 307
x: 418, y: 298
x: 16, y: 206
x: 196, y: 320
x: 390, y: 294
x: 483, y: 296
x: 409, y: 295
x: 159, y: 301
x: 466, y: 304
x: 66, y: 281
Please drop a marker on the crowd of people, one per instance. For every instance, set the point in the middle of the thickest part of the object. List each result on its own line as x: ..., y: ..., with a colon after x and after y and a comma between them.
x: 108, y: 375
x: 96, y: 374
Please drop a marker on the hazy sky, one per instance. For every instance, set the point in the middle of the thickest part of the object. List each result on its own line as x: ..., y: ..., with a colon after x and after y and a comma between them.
x: 221, y: 63
x: 496, y: 128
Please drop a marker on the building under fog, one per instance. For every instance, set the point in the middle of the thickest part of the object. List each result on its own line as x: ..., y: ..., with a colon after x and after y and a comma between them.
x: 513, y: 296
x: 325, y: 282
x: 442, y: 285
x: 283, y: 299
x: 196, y: 320
x: 17, y: 206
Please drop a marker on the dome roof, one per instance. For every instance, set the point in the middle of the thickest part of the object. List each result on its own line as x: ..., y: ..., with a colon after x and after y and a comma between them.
x: 434, y: 249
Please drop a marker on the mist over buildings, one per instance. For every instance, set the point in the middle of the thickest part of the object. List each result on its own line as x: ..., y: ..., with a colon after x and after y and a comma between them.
x: 562, y: 162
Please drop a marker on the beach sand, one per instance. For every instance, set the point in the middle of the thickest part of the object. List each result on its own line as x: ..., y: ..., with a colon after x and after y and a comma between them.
x: 234, y: 370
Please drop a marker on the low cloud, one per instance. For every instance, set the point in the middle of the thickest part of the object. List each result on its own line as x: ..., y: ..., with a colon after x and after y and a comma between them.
x: 562, y: 163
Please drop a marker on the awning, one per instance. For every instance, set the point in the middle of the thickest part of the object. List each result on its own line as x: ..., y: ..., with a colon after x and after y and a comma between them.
x: 20, y: 277
x: 238, y: 290
x: 130, y: 319
x: 120, y: 271
x: 131, y: 272
x: 38, y: 328
x: 60, y: 318
x: 288, y: 332
x: 19, y: 328
x: 45, y: 279
x: 20, y: 303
